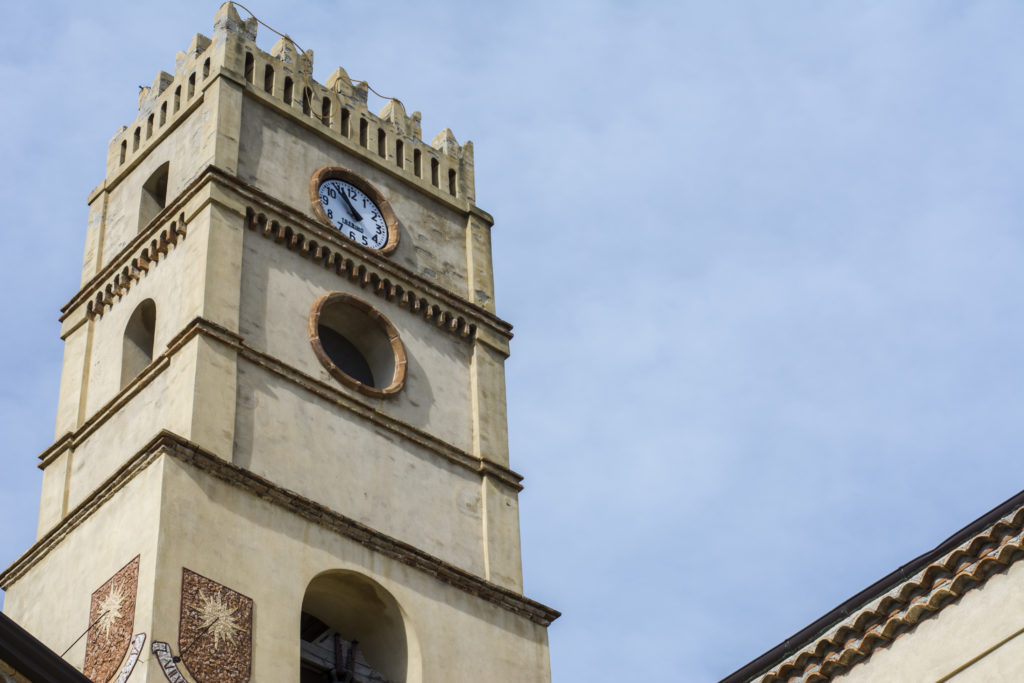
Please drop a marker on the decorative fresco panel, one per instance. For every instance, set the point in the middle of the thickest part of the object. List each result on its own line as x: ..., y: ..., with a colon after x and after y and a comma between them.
x: 215, y: 631
x: 111, y: 619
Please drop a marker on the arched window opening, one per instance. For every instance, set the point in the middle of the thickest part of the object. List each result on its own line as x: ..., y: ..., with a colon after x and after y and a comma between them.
x: 250, y: 67
x: 136, y: 139
x: 287, y: 90
x: 363, y: 129
x: 451, y: 182
x: 399, y: 154
x: 163, y: 114
x: 177, y: 99
x: 352, y: 629
x: 325, y: 111
x: 345, y: 124
x: 137, y: 348
x: 124, y: 150
x: 307, y: 101
x: 435, y: 172
x: 149, y: 126
x: 191, y: 85
x: 268, y: 79
x: 206, y: 68
x: 382, y: 143
x: 154, y: 195
x: 417, y: 163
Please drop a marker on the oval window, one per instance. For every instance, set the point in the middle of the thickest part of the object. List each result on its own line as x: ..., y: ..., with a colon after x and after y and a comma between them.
x: 357, y: 344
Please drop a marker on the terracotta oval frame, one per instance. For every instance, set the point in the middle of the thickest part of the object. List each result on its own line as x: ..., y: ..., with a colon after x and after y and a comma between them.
x: 374, y: 317
x: 343, y: 174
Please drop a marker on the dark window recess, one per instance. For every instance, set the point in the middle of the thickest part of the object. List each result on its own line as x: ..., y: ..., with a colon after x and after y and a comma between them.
x: 329, y: 658
x: 345, y: 355
x: 268, y: 79
x: 137, y: 348
x: 154, y: 195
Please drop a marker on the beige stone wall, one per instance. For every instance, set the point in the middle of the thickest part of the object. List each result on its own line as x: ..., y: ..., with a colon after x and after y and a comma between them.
x: 432, y: 242
x: 278, y: 293
x: 51, y: 600
x: 978, y: 638
x: 271, y: 557
x: 345, y: 461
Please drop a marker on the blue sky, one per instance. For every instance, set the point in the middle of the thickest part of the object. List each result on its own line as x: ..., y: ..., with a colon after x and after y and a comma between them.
x: 763, y: 260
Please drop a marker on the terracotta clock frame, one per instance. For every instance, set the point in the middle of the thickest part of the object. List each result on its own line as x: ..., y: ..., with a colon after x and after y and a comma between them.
x: 345, y: 175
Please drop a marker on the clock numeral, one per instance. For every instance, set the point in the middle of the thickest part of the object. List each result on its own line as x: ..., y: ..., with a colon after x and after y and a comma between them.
x: 330, y: 213
x: 331, y: 192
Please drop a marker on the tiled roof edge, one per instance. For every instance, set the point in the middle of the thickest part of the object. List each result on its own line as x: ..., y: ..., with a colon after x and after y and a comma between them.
x: 876, y: 615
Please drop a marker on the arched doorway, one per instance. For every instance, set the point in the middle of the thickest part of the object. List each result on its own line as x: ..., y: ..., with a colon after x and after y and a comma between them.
x: 353, y: 631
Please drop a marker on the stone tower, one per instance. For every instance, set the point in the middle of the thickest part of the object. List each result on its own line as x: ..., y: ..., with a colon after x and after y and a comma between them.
x: 281, y: 455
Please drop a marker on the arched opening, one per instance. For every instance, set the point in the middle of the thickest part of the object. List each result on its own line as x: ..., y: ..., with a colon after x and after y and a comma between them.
x: 417, y: 163
x: 149, y: 126
x: 399, y: 153
x: 163, y: 113
x: 307, y: 101
x: 154, y: 195
x: 352, y: 629
x: 177, y: 99
x: 325, y: 111
x: 452, y: 184
x: 206, y: 68
x: 382, y: 143
x: 250, y: 67
x: 136, y: 139
x: 345, y: 125
x: 435, y: 171
x: 268, y: 79
x: 124, y: 150
x: 191, y: 86
x: 137, y: 349
x: 363, y: 128
x: 287, y: 90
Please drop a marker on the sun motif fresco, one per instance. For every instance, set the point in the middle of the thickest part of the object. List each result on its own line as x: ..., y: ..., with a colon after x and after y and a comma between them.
x: 111, y: 619
x: 215, y: 630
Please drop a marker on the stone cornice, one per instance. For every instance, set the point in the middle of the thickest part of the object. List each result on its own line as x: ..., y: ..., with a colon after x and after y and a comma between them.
x: 312, y: 240
x: 298, y: 233
x: 322, y: 390
x: 172, y: 445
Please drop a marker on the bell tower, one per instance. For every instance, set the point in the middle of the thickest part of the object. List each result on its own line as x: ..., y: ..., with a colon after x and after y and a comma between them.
x: 281, y: 450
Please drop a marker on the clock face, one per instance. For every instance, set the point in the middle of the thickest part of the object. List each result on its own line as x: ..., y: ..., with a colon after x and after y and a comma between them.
x: 353, y: 213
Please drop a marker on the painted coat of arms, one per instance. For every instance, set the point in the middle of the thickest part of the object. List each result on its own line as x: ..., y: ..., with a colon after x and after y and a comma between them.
x: 111, y: 619
x: 215, y: 631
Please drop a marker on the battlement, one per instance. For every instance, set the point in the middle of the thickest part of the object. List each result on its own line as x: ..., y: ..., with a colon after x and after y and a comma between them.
x: 283, y: 79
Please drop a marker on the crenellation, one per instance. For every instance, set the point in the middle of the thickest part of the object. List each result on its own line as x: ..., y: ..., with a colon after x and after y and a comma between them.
x: 391, y: 136
x: 227, y: 20
x: 171, y: 96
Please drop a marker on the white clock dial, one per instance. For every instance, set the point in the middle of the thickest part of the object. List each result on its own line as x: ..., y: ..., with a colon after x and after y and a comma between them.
x: 353, y: 213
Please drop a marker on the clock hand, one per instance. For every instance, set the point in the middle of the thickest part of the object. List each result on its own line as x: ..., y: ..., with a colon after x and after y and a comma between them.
x: 351, y: 209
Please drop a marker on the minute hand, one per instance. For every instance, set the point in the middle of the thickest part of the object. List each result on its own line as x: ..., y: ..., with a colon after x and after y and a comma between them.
x: 351, y: 209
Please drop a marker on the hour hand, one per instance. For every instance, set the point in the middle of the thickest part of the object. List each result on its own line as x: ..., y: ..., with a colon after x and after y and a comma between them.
x: 351, y: 209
